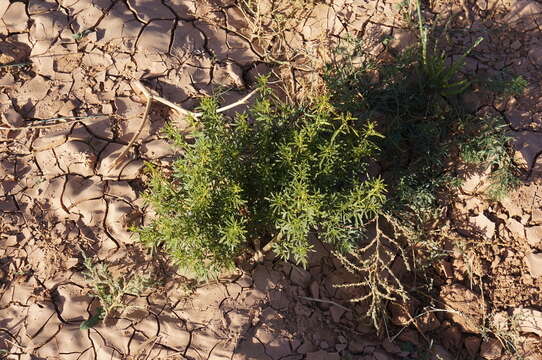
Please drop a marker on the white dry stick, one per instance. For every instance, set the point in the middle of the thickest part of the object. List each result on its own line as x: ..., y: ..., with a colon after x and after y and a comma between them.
x: 183, y: 112
x: 58, y: 121
x: 241, y: 101
x: 118, y: 160
x: 259, y: 252
x: 160, y: 99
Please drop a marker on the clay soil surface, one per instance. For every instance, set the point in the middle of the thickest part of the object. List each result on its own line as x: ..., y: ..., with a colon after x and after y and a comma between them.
x: 60, y: 193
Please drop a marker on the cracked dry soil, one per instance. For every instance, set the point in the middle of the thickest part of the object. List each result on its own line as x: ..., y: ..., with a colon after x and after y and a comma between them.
x: 58, y: 195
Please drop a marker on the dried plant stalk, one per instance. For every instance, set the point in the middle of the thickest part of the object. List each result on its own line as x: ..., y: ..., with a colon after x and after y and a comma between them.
x: 373, y: 264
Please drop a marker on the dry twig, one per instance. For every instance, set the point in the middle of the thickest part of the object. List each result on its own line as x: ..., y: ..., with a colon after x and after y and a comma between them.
x: 56, y: 122
x: 181, y: 111
x: 259, y: 252
x: 325, y: 302
x: 372, y: 263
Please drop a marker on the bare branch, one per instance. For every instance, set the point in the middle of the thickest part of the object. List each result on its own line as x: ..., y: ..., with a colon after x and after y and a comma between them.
x: 57, y: 122
x: 118, y: 160
x: 185, y: 112
x: 241, y: 101
x: 325, y: 302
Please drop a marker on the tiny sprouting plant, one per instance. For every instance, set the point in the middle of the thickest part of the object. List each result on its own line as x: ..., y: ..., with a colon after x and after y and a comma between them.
x: 273, y: 174
x: 110, y: 290
x: 505, y: 84
x: 80, y: 35
x: 93, y: 320
x: 489, y: 146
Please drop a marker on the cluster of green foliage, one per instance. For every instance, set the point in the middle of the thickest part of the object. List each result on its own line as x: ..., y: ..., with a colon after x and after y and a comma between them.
x: 274, y: 172
x: 428, y: 142
x: 416, y: 98
x: 278, y: 173
x: 505, y: 84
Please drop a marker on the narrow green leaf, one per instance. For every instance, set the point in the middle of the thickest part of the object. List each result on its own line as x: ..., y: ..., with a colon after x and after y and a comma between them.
x: 93, y: 320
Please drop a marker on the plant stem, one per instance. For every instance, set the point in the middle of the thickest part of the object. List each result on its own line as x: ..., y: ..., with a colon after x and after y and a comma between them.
x: 325, y: 302
x: 258, y: 254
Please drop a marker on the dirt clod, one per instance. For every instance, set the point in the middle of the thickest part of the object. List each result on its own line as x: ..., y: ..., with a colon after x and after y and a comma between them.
x: 534, y: 235
x: 465, y: 307
x: 472, y: 344
x: 491, y: 349
x: 534, y: 264
x: 528, y: 320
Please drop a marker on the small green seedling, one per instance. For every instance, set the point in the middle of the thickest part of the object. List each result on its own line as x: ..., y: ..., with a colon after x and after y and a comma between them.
x: 93, y: 320
x: 80, y: 35
x: 111, y: 290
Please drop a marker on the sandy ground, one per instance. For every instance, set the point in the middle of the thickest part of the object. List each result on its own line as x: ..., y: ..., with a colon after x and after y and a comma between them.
x: 59, y: 193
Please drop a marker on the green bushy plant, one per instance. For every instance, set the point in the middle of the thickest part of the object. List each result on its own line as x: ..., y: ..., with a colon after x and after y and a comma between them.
x: 428, y: 137
x: 278, y: 173
x: 275, y: 173
x: 415, y: 100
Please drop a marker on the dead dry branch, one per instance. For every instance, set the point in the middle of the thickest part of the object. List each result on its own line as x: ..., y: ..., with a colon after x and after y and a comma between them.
x: 178, y: 109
